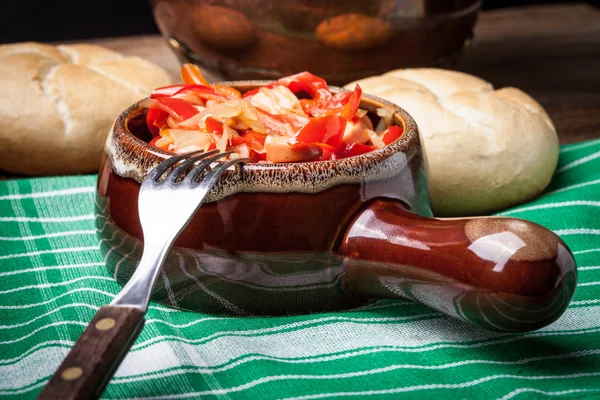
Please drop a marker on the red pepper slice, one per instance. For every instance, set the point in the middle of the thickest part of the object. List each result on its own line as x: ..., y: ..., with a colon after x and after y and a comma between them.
x: 345, y: 104
x: 252, y: 92
x: 280, y: 123
x: 212, y: 125
x: 256, y: 157
x: 227, y: 91
x: 153, y: 141
x: 328, y: 129
x: 178, y: 108
x: 202, y: 91
x: 391, y: 134
x: 166, y: 147
x: 156, y: 119
x: 166, y: 91
x: 316, y: 87
x: 292, y: 152
x: 328, y: 152
x: 350, y: 150
x: 349, y: 109
x: 191, y: 74
x: 255, y: 140
x: 237, y: 140
x: 304, y: 82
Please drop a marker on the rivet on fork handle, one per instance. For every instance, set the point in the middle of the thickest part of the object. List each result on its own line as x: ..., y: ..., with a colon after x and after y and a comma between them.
x: 93, y: 360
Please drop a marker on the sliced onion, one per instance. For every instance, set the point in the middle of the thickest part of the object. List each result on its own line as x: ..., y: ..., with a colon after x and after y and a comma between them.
x: 375, y: 139
x: 240, y: 111
x: 278, y: 100
x: 192, y: 122
x: 224, y: 139
x: 355, y: 132
x: 278, y: 149
x: 387, y: 118
x: 367, y: 121
x: 172, y: 122
x: 164, y: 141
x: 241, y: 151
x: 146, y: 103
x: 185, y: 140
x: 361, y: 113
x: 190, y: 98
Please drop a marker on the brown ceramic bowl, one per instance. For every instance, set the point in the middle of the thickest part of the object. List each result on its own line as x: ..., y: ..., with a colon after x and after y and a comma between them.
x: 317, y: 236
x: 340, y: 41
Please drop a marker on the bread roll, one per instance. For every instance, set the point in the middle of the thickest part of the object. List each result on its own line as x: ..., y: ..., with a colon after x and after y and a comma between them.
x: 58, y: 104
x: 484, y: 149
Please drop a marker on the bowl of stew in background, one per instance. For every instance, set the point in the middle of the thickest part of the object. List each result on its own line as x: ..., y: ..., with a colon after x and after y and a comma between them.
x: 340, y: 41
x: 303, y: 237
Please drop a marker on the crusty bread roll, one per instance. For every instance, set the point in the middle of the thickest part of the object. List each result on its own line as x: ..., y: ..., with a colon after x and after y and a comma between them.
x: 484, y: 149
x: 58, y: 104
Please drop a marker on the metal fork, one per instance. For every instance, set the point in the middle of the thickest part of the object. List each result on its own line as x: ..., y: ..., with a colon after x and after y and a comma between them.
x: 180, y: 183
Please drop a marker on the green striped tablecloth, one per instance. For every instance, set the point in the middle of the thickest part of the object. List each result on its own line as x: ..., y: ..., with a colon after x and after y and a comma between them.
x: 52, y: 280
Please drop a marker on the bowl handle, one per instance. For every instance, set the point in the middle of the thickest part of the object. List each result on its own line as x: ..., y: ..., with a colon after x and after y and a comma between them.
x: 502, y: 274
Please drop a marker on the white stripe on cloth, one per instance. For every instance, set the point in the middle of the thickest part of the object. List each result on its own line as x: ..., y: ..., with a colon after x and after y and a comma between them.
x: 197, y: 321
x: 430, y: 386
x: 588, y: 268
x: 50, y: 343
x: 56, y: 284
x: 569, y: 148
x: 567, y: 188
x: 571, y: 203
x: 267, y: 379
x: 266, y: 331
x: 577, y: 231
x: 51, y: 251
x: 586, y: 251
x: 588, y: 284
x: 41, y: 328
x: 50, y: 193
x: 56, y: 353
x: 351, y: 324
x: 443, y: 333
x: 91, y: 290
x: 31, y: 321
x: 76, y: 218
x: 94, y: 307
x: 199, y: 368
x: 557, y: 393
x: 581, y: 161
x: 52, y: 268
x: 48, y: 235
x: 447, y: 334
x: 43, y: 303
x: 580, y: 302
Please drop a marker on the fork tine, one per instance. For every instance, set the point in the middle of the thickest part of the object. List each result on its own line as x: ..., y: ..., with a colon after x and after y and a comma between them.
x: 201, y: 167
x: 160, y: 169
x: 214, y: 174
x: 184, y: 166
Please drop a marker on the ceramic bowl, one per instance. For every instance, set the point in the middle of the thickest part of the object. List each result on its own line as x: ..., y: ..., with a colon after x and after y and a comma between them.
x: 340, y: 41
x: 318, y: 236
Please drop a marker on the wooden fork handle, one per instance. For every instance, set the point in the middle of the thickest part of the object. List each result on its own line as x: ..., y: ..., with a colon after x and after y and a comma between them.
x: 93, y: 360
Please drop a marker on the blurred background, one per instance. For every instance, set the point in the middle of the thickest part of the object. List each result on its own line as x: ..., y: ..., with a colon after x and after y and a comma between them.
x: 47, y: 21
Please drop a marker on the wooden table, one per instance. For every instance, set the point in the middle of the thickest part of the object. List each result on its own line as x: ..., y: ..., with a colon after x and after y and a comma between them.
x: 551, y: 52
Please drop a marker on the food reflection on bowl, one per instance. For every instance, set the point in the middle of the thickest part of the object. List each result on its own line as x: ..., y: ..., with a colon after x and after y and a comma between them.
x: 328, y: 235
x: 339, y: 41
